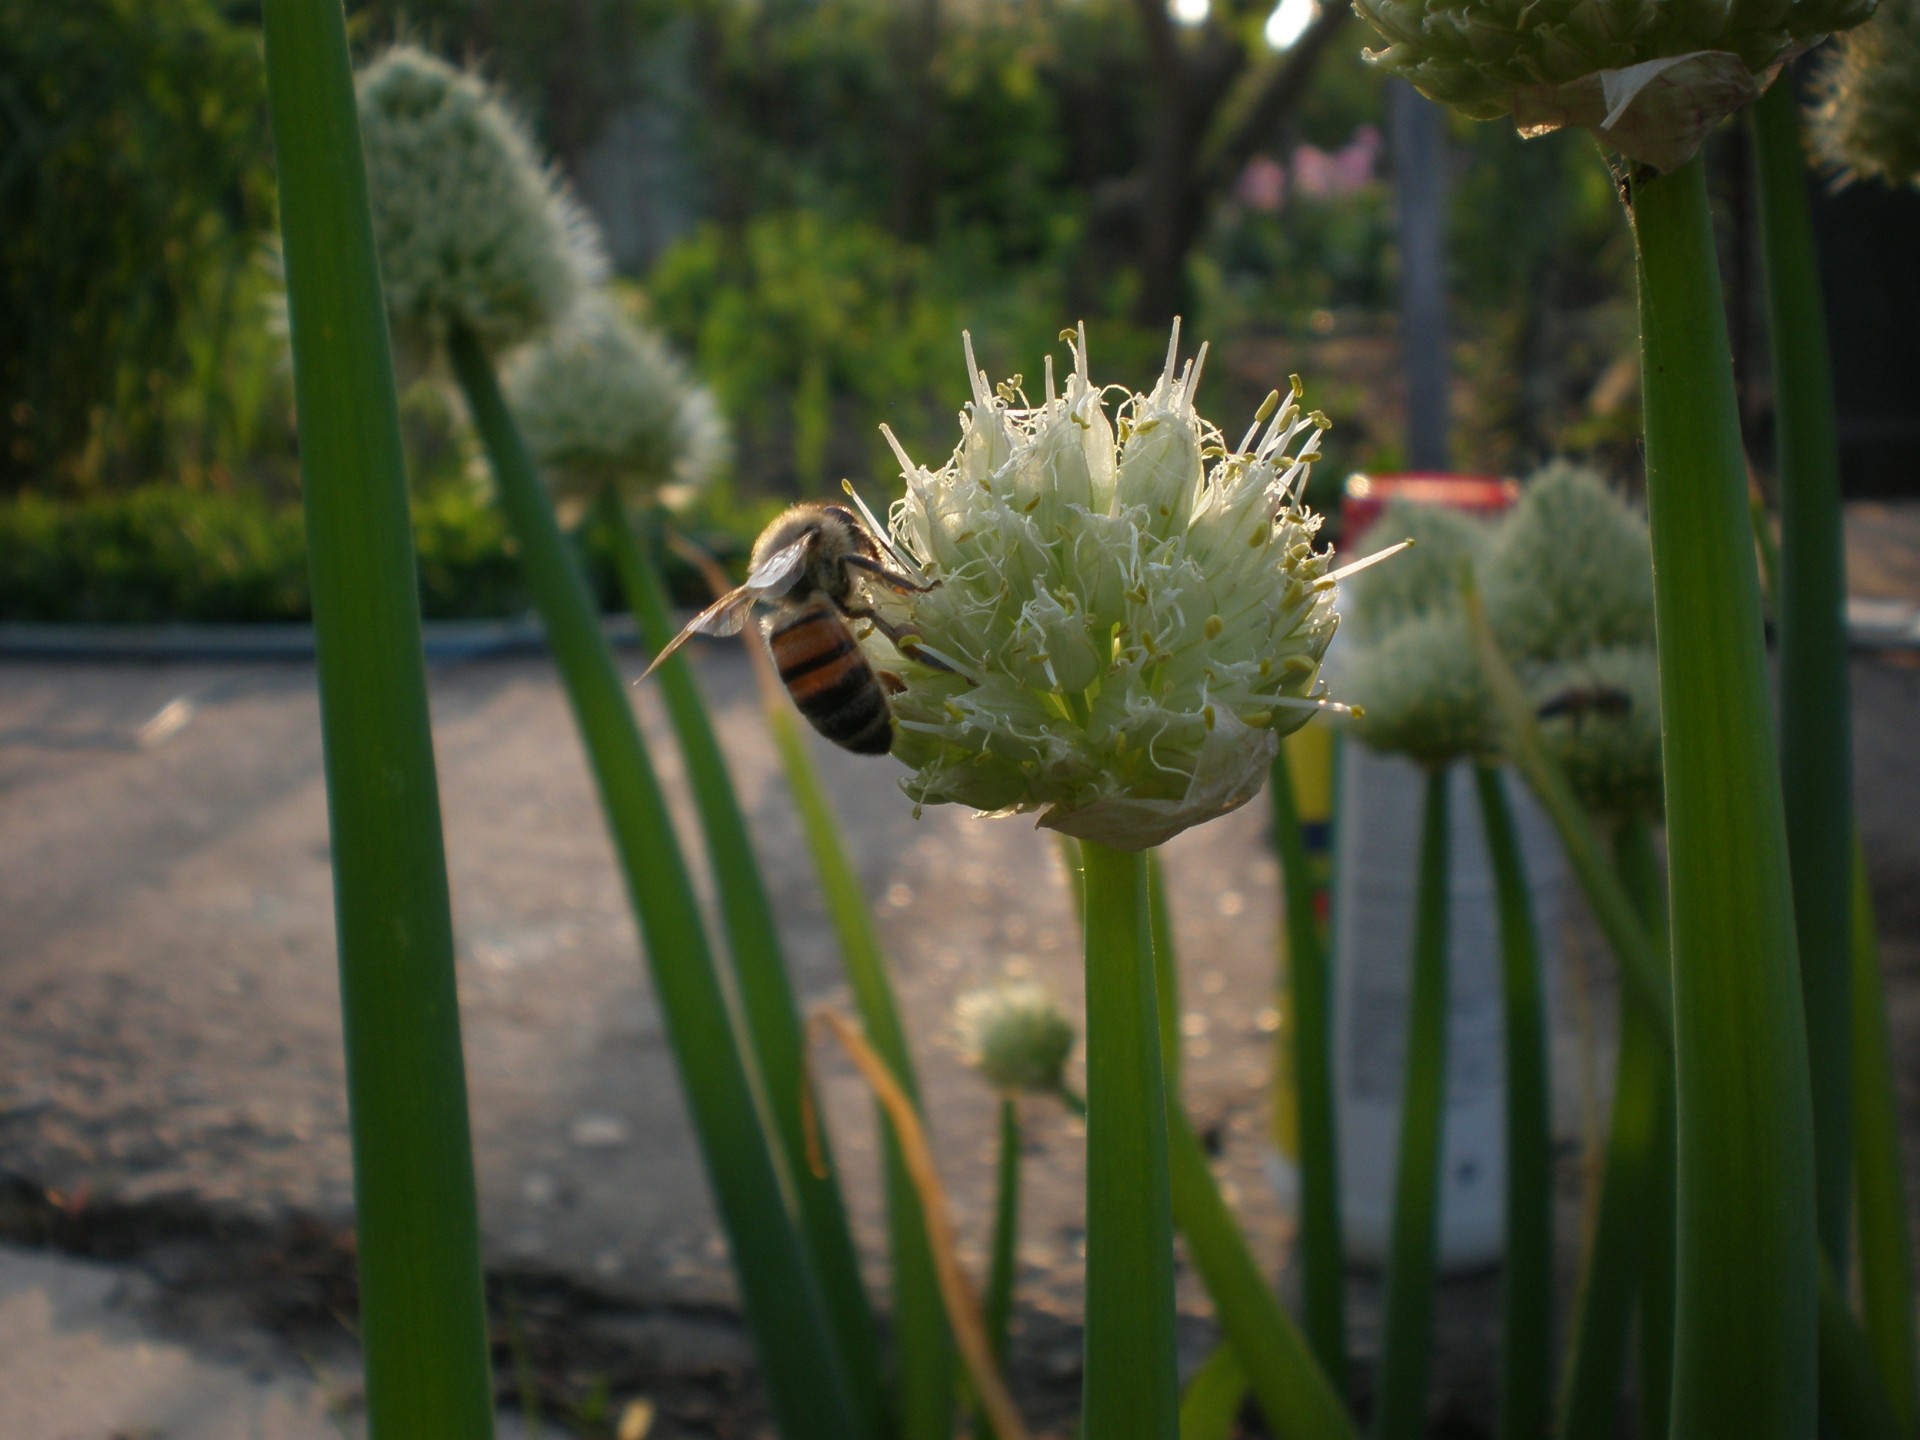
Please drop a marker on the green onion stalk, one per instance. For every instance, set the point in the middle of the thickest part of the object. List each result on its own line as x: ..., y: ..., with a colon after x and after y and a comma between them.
x: 1816, y: 735
x: 1310, y: 1002
x: 422, y: 1305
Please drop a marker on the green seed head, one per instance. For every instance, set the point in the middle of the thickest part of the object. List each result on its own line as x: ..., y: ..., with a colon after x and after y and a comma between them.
x: 472, y: 229
x: 1016, y: 1035
x: 1650, y: 76
x: 1446, y: 546
x: 1603, y: 726
x: 1133, y: 611
x: 603, y: 403
x: 1418, y: 690
x: 1866, y: 113
x: 1571, y: 569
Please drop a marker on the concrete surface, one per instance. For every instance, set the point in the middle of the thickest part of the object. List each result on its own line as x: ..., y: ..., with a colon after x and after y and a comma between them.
x: 170, y: 1070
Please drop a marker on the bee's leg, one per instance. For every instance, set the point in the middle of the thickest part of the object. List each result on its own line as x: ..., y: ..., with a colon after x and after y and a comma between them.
x: 904, y: 640
x: 892, y: 579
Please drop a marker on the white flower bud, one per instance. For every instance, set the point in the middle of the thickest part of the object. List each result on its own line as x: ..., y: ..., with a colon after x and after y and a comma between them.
x: 1419, y: 691
x: 1447, y: 547
x: 1571, y: 571
x: 472, y: 229
x: 604, y: 403
x: 1016, y: 1035
x: 1601, y: 721
x: 1132, y: 619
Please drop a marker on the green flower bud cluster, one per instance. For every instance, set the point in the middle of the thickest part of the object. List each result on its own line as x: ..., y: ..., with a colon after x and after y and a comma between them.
x: 1569, y: 591
x: 1866, y: 112
x: 473, y: 230
x: 1016, y: 1035
x: 1412, y: 674
x: 1126, y: 613
x: 1651, y: 76
x: 604, y: 403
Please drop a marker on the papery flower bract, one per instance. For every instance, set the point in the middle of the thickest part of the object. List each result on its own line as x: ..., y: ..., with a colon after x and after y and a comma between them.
x: 1447, y: 546
x: 603, y: 403
x: 1419, y: 691
x: 1016, y: 1035
x: 1650, y: 78
x: 472, y: 229
x: 1865, y: 120
x: 1605, y: 729
x: 1135, y: 615
x: 1571, y: 570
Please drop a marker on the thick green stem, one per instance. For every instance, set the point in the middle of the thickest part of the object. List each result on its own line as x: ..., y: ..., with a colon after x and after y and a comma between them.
x: 1130, y: 1386
x: 760, y: 972
x: 422, y: 1306
x: 1166, y: 975
x: 1310, y: 999
x: 1746, y: 1312
x: 1406, y: 1344
x: 1886, y: 1245
x: 923, y: 1343
x: 804, y: 1371
x: 1816, y: 737
x: 1526, y: 1276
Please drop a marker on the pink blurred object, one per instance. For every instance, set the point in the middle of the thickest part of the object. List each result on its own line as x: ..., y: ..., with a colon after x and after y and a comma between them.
x: 1262, y: 185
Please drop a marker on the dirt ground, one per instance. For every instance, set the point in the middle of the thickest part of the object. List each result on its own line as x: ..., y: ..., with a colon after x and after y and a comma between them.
x: 172, y: 1121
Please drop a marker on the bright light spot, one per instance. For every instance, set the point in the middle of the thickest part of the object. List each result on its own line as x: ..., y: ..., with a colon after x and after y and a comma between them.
x: 1289, y: 22
x: 1190, y: 12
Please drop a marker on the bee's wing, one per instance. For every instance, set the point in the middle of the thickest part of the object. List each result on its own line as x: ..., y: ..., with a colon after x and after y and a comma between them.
x: 773, y: 577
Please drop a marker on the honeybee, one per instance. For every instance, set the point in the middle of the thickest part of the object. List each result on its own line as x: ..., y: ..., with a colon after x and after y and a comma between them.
x: 1580, y: 701
x: 809, y: 564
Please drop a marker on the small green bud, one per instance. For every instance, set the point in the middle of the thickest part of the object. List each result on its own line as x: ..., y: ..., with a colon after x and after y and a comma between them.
x: 472, y: 229
x: 1866, y: 112
x: 1016, y: 1035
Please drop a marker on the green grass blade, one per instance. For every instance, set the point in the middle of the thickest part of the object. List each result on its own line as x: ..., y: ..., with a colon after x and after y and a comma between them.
x: 997, y: 1314
x: 1211, y: 1406
x: 760, y: 971
x: 923, y: 1343
x: 1130, y: 1386
x: 1747, y: 1307
x: 1292, y: 1390
x: 1406, y: 1344
x: 805, y: 1377
x: 1816, y: 726
x: 422, y: 1306
x: 1853, y: 1401
x: 1886, y: 1244
x: 1526, y: 1275
x: 1310, y: 999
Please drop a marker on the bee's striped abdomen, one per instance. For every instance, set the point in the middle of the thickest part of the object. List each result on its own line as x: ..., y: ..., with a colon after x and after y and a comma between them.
x: 830, y: 680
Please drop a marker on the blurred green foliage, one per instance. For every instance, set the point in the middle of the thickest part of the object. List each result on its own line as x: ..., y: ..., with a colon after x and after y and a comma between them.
x: 134, y: 179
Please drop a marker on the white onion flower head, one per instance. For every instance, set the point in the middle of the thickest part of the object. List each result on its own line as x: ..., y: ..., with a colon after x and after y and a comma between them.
x: 605, y: 404
x: 1650, y: 77
x: 472, y: 229
x: 1571, y: 569
x: 1447, y: 546
x: 1605, y: 729
x: 1419, y: 690
x: 1016, y: 1035
x: 1865, y: 120
x: 1134, y: 611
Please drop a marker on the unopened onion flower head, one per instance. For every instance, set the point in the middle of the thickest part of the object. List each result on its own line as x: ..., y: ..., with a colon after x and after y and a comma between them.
x: 1651, y: 79
x: 1571, y: 569
x: 1132, y: 609
x: 604, y: 404
x: 472, y: 229
x: 1866, y: 111
x: 1016, y: 1035
x: 1605, y: 729
x: 1418, y: 690
x: 1447, y: 544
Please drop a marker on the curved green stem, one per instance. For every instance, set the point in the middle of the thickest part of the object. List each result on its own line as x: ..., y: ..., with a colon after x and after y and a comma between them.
x: 1310, y: 997
x: 1746, y: 1314
x: 422, y: 1306
x: 1816, y: 734
x: 804, y: 1371
x: 1406, y: 1345
x: 1526, y: 1275
x: 1130, y: 1386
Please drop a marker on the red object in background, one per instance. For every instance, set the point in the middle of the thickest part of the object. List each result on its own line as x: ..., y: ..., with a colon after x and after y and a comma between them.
x: 1366, y: 495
